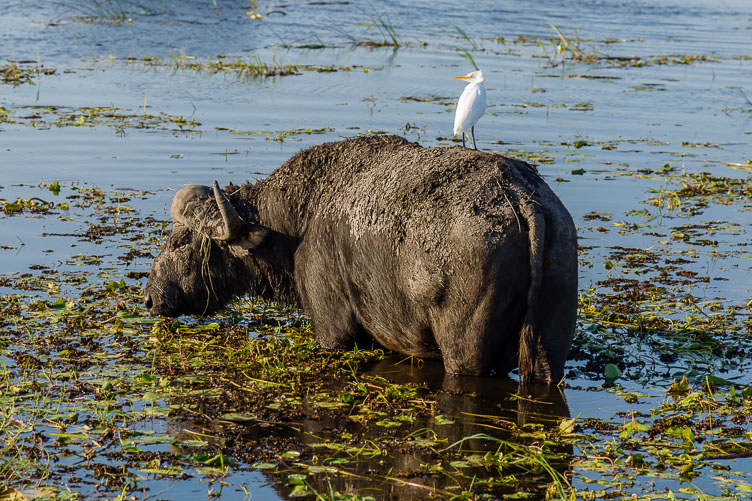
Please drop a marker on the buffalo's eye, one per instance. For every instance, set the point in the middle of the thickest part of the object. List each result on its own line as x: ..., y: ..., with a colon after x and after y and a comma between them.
x: 179, y: 237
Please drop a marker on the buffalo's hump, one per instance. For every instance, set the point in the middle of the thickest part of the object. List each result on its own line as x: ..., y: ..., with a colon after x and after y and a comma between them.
x: 436, y: 252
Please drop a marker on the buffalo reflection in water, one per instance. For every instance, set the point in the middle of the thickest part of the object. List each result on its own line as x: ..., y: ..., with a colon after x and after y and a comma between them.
x: 410, y: 453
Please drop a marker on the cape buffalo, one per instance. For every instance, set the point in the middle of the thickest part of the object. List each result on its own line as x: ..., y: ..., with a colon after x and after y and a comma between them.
x: 434, y: 252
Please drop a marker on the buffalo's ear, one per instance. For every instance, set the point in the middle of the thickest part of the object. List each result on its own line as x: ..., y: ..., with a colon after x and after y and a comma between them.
x: 252, y: 236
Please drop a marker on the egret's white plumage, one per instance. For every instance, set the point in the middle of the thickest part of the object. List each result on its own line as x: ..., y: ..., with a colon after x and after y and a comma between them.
x: 471, y: 106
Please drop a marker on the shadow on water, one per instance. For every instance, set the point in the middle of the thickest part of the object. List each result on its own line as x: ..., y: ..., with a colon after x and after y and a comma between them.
x: 471, y: 435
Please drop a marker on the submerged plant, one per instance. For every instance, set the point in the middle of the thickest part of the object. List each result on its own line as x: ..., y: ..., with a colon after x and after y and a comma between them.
x: 390, y: 37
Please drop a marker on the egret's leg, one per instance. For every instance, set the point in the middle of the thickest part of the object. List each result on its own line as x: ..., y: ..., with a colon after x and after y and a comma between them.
x: 463, y: 139
x: 472, y: 131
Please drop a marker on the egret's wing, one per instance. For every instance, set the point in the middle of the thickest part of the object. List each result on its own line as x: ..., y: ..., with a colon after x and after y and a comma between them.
x: 470, y: 107
x: 463, y: 110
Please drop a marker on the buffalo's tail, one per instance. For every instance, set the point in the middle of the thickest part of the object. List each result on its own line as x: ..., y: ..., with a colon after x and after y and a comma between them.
x: 529, y: 336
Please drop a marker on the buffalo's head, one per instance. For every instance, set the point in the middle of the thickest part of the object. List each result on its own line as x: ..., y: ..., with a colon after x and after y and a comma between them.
x: 202, y: 265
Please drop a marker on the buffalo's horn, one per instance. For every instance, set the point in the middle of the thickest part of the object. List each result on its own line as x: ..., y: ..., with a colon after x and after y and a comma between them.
x: 232, y: 221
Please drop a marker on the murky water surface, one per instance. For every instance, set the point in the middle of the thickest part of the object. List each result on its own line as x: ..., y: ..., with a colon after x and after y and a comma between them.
x: 639, y: 116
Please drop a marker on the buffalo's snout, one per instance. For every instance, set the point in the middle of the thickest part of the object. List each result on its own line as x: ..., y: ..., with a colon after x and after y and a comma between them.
x: 165, y: 300
x: 161, y: 300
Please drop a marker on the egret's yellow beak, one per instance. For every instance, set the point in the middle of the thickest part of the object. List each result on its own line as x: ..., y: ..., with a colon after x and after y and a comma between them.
x: 463, y: 77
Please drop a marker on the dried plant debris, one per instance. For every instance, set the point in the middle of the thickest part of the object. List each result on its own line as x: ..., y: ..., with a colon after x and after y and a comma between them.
x: 254, y: 67
x: 23, y: 72
x: 690, y: 193
x: 120, y: 119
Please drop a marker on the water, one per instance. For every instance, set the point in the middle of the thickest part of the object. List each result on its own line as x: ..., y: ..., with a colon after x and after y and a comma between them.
x: 534, y: 106
x: 695, y: 117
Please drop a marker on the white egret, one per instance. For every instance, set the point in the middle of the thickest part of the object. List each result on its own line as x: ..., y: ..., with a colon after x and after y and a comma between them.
x: 471, y: 106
